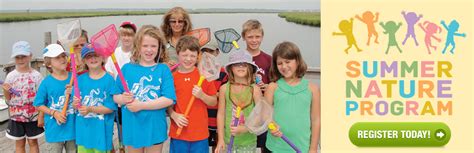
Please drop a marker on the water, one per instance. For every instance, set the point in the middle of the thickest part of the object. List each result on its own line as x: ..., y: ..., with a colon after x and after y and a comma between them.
x: 276, y: 30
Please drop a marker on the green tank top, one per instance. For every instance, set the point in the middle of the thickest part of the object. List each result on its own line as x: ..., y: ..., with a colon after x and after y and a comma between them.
x: 292, y: 108
x: 244, y: 139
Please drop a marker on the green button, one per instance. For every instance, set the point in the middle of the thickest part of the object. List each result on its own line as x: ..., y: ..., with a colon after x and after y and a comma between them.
x: 399, y: 134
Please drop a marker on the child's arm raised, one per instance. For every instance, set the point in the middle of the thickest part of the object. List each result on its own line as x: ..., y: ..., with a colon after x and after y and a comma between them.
x: 444, y: 25
x: 376, y: 17
x: 220, y: 119
x: 419, y: 17
x: 421, y: 26
x: 399, y: 25
x: 358, y: 18
x: 315, y: 117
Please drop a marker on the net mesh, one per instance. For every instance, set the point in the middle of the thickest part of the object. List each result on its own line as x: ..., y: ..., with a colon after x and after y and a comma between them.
x: 68, y: 32
x: 209, y: 67
x: 225, y: 37
x: 261, y: 115
x: 105, y: 41
x: 202, y: 34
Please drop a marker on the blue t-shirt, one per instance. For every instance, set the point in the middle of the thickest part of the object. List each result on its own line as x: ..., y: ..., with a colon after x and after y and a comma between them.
x: 94, y: 131
x: 51, y: 95
x: 147, y: 127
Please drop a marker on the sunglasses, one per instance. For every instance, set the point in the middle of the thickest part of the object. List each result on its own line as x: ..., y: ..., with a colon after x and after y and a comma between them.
x: 79, y: 45
x: 176, y: 21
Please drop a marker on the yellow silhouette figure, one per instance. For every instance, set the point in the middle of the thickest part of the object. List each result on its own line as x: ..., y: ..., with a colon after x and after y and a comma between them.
x: 346, y: 30
x: 369, y: 19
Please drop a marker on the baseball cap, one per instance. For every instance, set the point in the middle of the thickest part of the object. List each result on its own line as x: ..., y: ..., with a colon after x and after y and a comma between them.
x: 21, y: 48
x: 53, y: 50
x: 87, y: 49
x: 129, y: 24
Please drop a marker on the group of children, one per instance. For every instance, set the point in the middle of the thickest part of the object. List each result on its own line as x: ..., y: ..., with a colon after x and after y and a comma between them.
x: 153, y: 91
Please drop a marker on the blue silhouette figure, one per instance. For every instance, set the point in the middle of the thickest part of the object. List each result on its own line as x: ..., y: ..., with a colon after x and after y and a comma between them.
x: 452, y: 29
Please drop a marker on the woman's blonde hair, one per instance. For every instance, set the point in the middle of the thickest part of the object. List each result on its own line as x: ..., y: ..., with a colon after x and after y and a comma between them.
x: 166, y: 27
x: 154, y: 32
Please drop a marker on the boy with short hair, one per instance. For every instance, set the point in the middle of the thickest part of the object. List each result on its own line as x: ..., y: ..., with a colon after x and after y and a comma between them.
x: 50, y: 99
x: 252, y: 33
x: 194, y: 136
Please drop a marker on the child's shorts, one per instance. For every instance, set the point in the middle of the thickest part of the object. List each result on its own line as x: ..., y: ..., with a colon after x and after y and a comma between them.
x: 180, y: 146
x: 58, y: 147
x: 83, y: 149
x: 19, y: 130
x: 212, y: 136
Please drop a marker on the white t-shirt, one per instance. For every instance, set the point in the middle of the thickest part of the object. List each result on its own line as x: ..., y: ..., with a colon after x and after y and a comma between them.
x: 122, y: 59
x: 21, y: 107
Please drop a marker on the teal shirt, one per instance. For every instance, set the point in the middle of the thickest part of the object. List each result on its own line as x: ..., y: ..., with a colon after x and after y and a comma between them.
x: 292, y: 112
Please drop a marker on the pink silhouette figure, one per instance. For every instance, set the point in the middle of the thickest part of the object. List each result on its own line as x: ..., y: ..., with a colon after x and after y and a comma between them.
x: 430, y: 30
x: 411, y: 18
x: 369, y: 19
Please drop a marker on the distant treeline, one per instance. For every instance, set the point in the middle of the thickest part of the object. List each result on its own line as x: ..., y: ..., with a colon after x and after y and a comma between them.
x: 305, y: 18
x: 15, y: 17
x: 40, y: 15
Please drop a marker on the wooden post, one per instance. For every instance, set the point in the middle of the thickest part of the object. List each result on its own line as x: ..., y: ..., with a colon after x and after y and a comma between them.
x: 47, y: 38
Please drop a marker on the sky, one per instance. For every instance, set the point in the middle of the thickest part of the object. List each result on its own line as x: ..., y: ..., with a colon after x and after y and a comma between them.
x: 139, y: 4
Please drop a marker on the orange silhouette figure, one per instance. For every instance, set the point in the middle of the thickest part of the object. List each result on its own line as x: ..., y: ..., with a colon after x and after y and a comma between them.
x: 369, y: 19
x: 346, y: 30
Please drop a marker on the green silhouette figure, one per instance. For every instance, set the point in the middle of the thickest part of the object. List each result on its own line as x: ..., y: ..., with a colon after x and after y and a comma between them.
x: 346, y: 30
x: 391, y: 28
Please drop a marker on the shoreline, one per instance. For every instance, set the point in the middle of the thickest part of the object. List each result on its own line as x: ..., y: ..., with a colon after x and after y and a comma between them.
x: 305, y: 18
